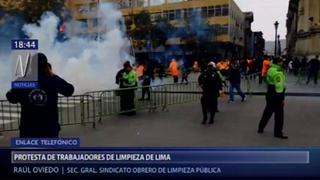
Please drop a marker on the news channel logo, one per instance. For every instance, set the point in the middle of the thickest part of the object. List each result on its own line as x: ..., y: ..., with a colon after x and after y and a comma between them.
x: 24, y: 70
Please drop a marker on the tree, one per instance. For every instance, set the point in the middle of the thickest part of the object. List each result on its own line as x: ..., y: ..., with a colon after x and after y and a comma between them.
x: 145, y: 30
x: 32, y: 10
x: 143, y: 26
x: 161, y: 31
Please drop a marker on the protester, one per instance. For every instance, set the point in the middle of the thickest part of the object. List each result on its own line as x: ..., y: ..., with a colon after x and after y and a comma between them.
x: 314, y: 66
x: 185, y: 74
x: 235, y: 81
x: 303, y: 66
x: 251, y: 65
x: 148, y: 73
x: 296, y: 66
x: 139, y: 70
x: 275, y: 99
x: 223, y: 67
x: 39, y: 107
x: 265, y: 67
x: 174, y: 70
x: 161, y: 72
x: 196, y: 67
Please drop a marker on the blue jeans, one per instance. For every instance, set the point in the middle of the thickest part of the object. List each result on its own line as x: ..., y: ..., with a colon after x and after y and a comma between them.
x: 231, y: 92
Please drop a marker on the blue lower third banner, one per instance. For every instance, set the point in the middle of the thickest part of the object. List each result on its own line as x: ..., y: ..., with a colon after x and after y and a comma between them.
x: 286, y: 163
x: 45, y: 142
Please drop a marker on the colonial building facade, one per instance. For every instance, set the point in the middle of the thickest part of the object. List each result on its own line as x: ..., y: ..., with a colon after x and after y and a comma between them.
x: 303, y: 28
x: 230, y: 24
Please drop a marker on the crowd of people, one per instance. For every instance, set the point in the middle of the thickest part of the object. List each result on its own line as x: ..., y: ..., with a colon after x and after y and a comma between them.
x: 39, y: 110
x: 302, y: 67
x: 214, y: 75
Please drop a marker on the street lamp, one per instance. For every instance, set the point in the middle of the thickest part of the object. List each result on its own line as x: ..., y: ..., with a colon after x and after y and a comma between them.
x: 279, y: 46
x: 234, y: 47
x: 276, y: 24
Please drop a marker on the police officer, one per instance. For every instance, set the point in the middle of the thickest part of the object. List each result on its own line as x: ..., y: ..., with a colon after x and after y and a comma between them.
x: 39, y: 109
x: 210, y: 82
x: 129, y: 82
x: 275, y: 98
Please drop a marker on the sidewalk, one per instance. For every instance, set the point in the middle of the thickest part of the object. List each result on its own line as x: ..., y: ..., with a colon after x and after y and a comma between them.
x: 235, y: 126
x: 293, y: 83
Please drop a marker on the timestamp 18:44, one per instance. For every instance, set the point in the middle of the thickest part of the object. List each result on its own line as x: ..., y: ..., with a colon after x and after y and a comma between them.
x: 24, y: 44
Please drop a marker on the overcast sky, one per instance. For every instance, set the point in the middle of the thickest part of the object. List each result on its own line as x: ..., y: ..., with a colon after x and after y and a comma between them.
x: 266, y: 12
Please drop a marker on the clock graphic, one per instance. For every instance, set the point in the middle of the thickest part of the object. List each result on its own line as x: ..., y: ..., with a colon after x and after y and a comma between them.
x: 24, y: 44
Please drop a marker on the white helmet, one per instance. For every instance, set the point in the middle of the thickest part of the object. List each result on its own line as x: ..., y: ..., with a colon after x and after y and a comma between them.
x: 212, y: 64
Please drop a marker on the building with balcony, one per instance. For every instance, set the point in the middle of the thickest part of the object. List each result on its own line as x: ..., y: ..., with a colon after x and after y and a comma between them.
x: 303, y: 28
x: 226, y: 23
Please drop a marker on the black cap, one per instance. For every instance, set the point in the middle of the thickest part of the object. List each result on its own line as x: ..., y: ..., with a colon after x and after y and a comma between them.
x: 276, y: 60
x: 126, y: 64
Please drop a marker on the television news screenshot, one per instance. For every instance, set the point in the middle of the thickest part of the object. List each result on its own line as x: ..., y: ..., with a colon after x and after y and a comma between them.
x: 159, y: 89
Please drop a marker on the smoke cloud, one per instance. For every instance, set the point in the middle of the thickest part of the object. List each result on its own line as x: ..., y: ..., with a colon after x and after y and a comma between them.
x: 87, y: 63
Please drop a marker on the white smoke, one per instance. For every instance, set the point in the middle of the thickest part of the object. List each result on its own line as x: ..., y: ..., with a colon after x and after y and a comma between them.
x: 86, y: 63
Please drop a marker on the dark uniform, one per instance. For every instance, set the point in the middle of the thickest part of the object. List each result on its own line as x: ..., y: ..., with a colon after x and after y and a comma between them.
x: 129, y: 83
x: 120, y: 82
x: 39, y: 109
x: 314, y: 66
x: 148, y: 75
x: 275, y: 100
x: 210, y: 83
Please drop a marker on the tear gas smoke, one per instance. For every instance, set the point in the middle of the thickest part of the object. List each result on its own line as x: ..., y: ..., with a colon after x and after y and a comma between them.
x: 87, y: 63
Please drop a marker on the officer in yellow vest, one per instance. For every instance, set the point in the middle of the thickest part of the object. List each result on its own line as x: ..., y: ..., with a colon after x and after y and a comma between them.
x: 129, y: 83
x: 275, y: 98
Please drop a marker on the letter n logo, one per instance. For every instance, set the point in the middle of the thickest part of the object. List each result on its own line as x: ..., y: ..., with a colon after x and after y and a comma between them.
x: 22, y: 67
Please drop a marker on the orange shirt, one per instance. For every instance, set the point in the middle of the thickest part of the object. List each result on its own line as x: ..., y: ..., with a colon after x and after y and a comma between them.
x: 140, y: 70
x: 222, y: 66
x: 265, y: 66
x: 173, y: 68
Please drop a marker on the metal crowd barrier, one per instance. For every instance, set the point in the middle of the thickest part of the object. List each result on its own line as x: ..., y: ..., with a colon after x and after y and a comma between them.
x: 10, y: 116
x: 93, y: 106
x: 78, y: 109
x: 73, y: 110
x: 161, y: 96
x: 247, y: 83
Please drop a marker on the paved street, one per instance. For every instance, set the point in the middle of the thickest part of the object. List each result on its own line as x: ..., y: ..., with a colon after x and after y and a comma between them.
x: 235, y: 126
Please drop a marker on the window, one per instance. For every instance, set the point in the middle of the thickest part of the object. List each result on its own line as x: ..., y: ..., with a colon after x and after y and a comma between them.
x: 225, y: 10
x: 204, y: 12
x: 172, y: 15
x: 165, y: 14
x: 211, y: 11
x: 84, y: 23
x: 197, y: 11
x: 222, y: 29
x: 187, y: 13
x: 178, y: 14
x: 95, y: 22
x: 83, y: 10
x: 155, y: 16
x: 218, y: 11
